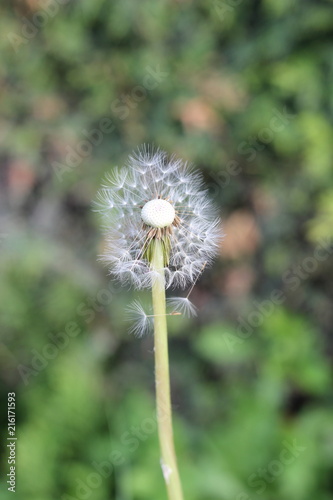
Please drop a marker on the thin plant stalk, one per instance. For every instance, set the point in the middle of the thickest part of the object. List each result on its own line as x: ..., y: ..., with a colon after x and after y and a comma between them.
x: 162, y: 378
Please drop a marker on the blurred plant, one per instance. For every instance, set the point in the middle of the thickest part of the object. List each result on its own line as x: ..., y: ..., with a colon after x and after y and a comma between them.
x: 162, y: 230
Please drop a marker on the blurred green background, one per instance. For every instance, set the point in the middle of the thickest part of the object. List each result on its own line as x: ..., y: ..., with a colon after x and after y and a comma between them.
x: 243, y: 90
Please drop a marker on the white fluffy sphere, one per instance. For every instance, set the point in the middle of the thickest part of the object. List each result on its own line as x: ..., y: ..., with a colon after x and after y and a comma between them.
x: 131, y: 221
x: 158, y: 213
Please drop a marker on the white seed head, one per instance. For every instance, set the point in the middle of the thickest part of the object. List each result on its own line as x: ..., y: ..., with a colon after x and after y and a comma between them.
x: 158, y: 213
x: 138, y: 193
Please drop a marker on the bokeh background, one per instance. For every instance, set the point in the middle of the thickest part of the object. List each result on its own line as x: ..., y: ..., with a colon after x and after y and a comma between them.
x: 244, y: 91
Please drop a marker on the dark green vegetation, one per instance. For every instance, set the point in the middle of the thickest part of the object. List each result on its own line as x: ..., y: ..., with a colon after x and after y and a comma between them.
x: 243, y: 90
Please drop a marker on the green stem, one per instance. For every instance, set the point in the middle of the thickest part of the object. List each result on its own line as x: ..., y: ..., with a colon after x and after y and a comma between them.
x: 162, y: 379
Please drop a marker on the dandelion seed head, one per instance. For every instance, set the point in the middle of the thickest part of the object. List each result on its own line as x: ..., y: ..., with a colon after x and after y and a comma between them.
x: 156, y: 196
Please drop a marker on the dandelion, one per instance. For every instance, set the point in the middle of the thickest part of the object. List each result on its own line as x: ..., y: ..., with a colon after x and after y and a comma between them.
x: 161, y: 231
x: 156, y: 198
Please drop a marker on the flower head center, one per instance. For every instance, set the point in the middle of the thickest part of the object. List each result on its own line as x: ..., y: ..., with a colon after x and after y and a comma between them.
x: 158, y: 213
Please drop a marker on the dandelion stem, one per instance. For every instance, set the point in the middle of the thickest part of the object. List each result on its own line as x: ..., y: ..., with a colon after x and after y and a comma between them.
x: 162, y: 378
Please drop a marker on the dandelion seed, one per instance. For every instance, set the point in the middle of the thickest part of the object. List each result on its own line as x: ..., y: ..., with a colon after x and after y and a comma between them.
x: 182, y: 305
x: 142, y: 323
